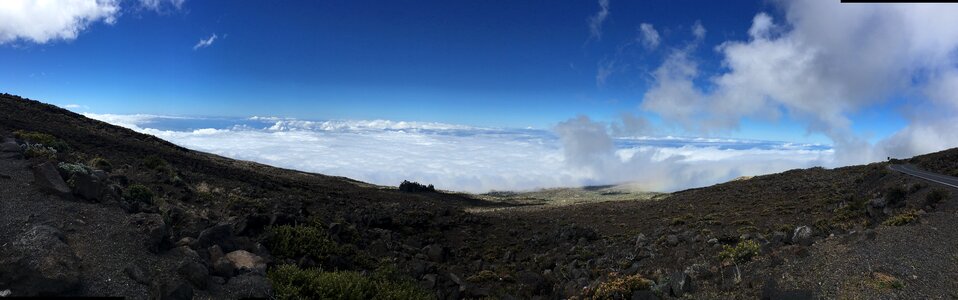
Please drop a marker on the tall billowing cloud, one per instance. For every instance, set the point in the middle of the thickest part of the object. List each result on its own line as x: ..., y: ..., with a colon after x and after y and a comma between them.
x: 820, y: 64
x: 41, y: 21
x: 595, y: 22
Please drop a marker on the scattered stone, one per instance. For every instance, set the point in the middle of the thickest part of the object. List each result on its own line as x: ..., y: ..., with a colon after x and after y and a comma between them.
x: 644, y: 295
x: 680, y: 283
x: 138, y: 274
x: 196, y: 273
x: 428, y: 281
x: 244, y: 261
x: 802, y: 236
x: 435, y: 252
x: 186, y: 241
x: 157, y: 233
x: 48, y: 179
x: 672, y: 240
x: 223, y: 267
x: 215, y: 253
x: 40, y: 263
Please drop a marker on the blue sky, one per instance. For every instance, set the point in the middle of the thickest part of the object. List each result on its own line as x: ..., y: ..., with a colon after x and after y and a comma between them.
x: 866, y: 80
x: 488, y: 63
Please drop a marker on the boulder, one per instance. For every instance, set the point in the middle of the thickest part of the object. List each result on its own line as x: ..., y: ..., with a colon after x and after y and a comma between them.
x: 435, y: 252
x: 48, y: 179
x: 531, y: 282
x: 40, y: 263
x: 138, y: 274
x: 802, y: 236
x: 195, y: 273
x: 223, y: 267
x: 244, y: 261
x: 221, y: 235
x: 10, y: 146
x: 680, y: 283
x: 644, y: 295
x: 156, y: 230
x: 88, y: 186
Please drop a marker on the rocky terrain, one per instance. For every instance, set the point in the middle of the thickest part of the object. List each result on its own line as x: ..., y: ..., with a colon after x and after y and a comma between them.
x: 91, y: 209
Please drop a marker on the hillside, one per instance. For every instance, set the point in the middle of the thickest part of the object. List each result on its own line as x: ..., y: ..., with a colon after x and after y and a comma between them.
x: 142, y: 217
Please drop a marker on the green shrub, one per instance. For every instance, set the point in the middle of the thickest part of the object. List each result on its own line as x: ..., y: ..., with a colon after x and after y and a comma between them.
x: 48, y: 140
x: 902, y: 218
x: 895, y: 195
x: 621, y: 287
x: 289, y: 241
x: 291, y: 282
x: 155, y: 162
x: 40, y: 151
x: 742, y: 252
x: 74, y: 168
x: 936, y: 195
x: 138, y: 193
x: 101, y: 164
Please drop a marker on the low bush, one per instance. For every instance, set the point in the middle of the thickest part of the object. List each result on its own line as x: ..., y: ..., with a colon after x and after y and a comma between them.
x: 138, y: 193
x: 295, y: 241
x: 902, y: 218
x: 415, y: 187
x: 895, y: 195
x: 742, y: 252
x: 48, y: 140
x: 39, y: 151
x: 621, y: 287
x: 936, y: 196
x: 155, y: 162
x: 291, y: 282
x: 72, y: 168
x: 100, y: 164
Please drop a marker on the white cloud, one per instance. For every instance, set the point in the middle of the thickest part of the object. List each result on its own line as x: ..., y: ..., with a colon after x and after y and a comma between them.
x: 825, y: 62
x: 41, y: 21
x: 465, y: 158
x: 649, y: 37
x: 203, y: 43
x: 698, y: 31
x: 161, y: 5
x: 595, y: 22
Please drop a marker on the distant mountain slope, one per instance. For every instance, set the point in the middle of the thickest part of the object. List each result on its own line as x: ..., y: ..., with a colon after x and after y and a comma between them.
x: 210, y: 222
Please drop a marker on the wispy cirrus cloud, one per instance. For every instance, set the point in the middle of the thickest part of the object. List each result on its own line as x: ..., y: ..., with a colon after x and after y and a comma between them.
x: 203, y: 43
x: 648, y: 36
x: 595, y: 22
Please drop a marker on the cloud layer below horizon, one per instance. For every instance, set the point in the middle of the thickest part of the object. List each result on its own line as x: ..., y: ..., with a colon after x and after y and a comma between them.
x: 464, y: 158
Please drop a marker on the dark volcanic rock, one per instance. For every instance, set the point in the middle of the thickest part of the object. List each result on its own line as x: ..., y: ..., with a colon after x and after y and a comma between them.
x: 155, y: 228
x: 39, y: 262
x: 10, y: 146
x: 680, y: 283
x: 88, y: 186
x: 196, y: 273
x: 221, y: 235
x: 802, y: 236
x: 138, y: 274
x: 48, y: 179
x: 435, y: 252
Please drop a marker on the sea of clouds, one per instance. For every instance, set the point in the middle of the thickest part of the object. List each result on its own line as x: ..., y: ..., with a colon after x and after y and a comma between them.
x: 577, y: 152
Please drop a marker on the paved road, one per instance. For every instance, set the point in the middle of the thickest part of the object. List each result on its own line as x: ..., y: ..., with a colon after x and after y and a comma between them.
x: 914, y: 171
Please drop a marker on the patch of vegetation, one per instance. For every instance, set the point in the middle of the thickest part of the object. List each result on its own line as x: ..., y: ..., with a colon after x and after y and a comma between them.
x: 484, y: 276
x: 621, y: 287
x: 747, y: 229
x: 786, y: 228
x: 138, y: 193
x: 680, y: 220
x: 291, y: 282
x: 39, y: 151
x: 885, y: 281
x: 743, y: 223
x: 742, y: 252
x: 415, y: 187
x: 895, y: 195
x: 100, y: 164
x: 72, y: 168
x: 156, y: 163
x: 48, y: 140
x: 902, y: 218
x: 295, y: 241
x: 936, y: 196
